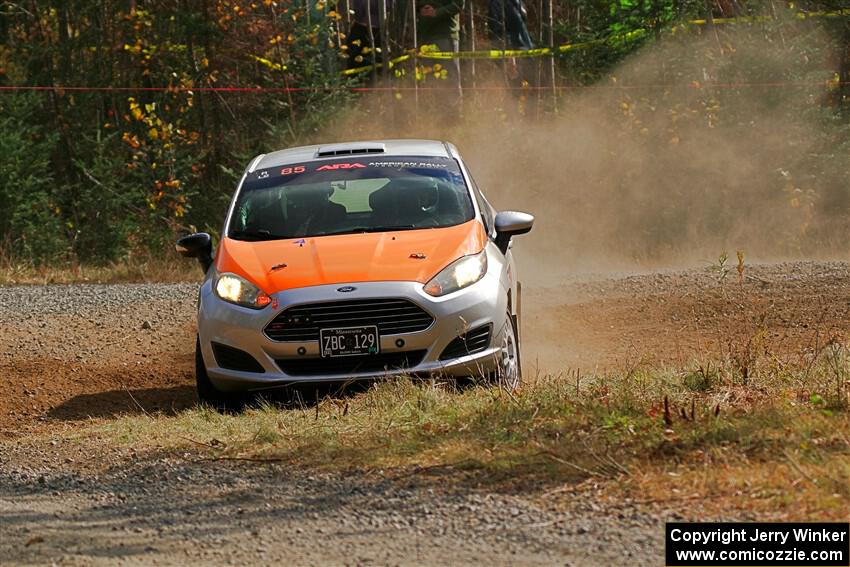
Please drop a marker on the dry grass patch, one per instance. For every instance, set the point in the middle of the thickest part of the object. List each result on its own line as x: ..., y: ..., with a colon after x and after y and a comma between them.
x: 136, y: 269
x: 779, y: 444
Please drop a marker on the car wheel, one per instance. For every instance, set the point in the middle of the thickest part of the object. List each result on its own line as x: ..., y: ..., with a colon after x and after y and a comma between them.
x: 207, y: 392
x: 509, y: 372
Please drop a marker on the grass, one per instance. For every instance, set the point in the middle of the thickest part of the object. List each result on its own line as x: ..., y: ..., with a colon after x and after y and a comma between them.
x: 136, y: 269
x: 700, y: 438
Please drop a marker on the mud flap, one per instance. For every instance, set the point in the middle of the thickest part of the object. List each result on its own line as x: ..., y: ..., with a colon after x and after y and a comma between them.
x: 515, y: 321
x: 518, y: 316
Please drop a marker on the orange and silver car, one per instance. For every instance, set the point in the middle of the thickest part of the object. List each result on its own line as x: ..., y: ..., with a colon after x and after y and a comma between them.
x: 353, y: 261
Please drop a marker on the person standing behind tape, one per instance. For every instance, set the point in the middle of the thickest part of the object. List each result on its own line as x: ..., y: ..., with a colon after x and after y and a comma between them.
x: 508, y: 24
x: 365, y: 30
x: 439, y: 24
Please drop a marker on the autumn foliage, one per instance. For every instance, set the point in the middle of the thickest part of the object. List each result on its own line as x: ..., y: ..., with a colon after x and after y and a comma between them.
x: 130, y: 142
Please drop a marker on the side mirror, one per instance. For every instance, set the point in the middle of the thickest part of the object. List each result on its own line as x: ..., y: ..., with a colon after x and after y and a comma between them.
x: 198, y: 246
x: 510, y: 224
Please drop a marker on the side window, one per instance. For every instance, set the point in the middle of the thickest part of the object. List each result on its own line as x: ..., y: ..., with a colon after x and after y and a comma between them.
x: 487, y: 214
x: 490, y: 213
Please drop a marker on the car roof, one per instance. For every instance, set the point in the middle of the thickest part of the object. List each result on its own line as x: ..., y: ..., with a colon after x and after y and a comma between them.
x: 383, y: 148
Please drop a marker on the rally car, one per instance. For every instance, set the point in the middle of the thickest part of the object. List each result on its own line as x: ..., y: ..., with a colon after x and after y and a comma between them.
x: 354, y: 261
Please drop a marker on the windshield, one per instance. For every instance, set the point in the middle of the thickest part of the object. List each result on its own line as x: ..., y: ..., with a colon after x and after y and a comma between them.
x: 349, y: 196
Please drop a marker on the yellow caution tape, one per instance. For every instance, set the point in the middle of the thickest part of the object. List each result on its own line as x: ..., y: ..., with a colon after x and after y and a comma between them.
x: 428, y: 52
x: 539, y: 52
x: 270, y: 64
x: 366, y: 68
x: 484, y: 54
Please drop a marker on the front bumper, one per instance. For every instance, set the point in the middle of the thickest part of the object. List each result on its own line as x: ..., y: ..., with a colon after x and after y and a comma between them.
x: 482, y: 303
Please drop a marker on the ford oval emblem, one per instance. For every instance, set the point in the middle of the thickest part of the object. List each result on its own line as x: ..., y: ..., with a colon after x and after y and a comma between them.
x: 346, y: 289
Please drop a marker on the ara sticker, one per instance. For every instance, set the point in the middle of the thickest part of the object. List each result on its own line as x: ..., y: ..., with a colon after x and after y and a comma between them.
x: 263, y: 174
x: 335, y: 166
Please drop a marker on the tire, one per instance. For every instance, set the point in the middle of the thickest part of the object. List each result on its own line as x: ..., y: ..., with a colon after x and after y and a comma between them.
x: 207, y: 392
x: 509, y: 372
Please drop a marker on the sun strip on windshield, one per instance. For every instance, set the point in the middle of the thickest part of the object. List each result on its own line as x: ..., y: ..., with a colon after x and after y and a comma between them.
x: 329, y: 170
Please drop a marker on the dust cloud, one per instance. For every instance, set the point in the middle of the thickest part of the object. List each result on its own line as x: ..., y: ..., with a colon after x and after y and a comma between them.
x: 690, y: 148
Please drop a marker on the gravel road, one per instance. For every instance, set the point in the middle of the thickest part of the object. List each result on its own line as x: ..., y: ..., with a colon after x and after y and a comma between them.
x: 73, y: 353
x: 173, y: 510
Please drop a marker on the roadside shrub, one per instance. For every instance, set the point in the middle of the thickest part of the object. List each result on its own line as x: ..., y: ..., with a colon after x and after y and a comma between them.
x: 30, y: 220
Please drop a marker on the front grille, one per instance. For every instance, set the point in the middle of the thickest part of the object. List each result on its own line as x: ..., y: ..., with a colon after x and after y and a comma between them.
x: 392, y: 316
x: 351, y: 364
x: 234, y: 359
x: 476, y: 340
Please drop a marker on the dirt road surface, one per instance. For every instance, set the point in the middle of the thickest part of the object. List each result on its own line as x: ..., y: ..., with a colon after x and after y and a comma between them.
x: 69, y: 354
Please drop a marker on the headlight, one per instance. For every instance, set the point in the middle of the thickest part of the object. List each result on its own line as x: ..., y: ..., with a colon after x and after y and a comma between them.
x: 458, y: 275
x: 240, y: 291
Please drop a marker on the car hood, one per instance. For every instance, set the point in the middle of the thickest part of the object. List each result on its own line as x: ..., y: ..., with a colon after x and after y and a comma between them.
x: 407, y: 255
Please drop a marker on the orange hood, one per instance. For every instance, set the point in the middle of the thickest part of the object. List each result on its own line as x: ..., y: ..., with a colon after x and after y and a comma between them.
x: 366, y: 257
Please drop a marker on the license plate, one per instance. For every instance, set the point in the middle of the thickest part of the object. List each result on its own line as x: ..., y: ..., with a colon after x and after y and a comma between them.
x: 349, y: 341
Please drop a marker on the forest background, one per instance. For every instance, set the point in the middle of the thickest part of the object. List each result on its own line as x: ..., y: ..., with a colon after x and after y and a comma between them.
x: 126, y: 123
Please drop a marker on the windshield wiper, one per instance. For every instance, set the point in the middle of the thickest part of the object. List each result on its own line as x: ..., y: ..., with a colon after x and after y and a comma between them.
x: 255, y: 235
x: 358, y: 229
